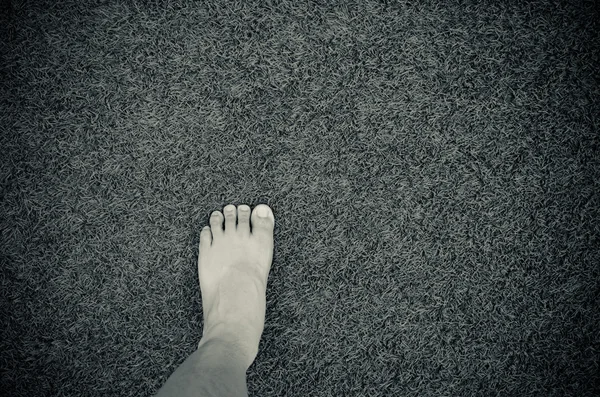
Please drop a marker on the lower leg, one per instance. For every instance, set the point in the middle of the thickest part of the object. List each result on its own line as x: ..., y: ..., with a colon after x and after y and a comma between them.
x: 214, y: 370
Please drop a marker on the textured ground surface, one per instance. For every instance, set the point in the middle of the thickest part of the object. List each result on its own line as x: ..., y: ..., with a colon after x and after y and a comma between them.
x: 433, y: 168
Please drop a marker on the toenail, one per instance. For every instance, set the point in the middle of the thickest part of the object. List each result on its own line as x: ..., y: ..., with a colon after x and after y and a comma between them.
x: 262, y: 212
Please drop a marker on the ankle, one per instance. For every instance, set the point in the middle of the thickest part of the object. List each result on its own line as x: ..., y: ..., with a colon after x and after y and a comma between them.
x: 222, y: 342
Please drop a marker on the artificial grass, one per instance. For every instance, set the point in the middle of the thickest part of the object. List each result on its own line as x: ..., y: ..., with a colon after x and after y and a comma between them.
x: 433, y: 169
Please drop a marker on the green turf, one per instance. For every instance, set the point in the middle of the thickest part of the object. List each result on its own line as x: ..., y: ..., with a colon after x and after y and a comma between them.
x: 433, y: 168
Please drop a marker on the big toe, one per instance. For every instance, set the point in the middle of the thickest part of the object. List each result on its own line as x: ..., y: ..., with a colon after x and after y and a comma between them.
x: 263, y: 221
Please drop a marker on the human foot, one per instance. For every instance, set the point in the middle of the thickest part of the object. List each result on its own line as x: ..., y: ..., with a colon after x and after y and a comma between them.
x: 233, y: 268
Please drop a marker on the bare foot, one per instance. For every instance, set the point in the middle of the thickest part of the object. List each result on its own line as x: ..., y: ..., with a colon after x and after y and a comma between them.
x: 233, y: 268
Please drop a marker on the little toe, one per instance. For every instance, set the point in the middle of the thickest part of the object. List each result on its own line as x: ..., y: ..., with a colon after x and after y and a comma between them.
x: 205, y: 238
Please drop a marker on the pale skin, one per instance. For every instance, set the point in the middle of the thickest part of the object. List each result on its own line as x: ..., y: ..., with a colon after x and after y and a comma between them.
x: 233, y: 268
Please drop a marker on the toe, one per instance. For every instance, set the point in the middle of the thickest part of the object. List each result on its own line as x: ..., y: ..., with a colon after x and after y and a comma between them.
x: 205, y: 238
x: 216, y: 224
x: 243, y: 219
x: 230, y: 212
x: 263, y: 221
